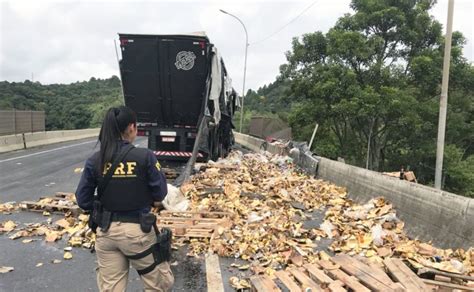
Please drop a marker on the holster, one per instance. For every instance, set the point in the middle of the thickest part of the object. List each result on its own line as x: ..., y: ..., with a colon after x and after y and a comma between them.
x: 99, y: 217
x: 96, y: 215
x: 163, y: 245
x: 161, y: 250
x: 147, y: 221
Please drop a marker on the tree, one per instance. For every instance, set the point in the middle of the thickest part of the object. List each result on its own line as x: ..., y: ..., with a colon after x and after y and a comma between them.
x: 372, y: 83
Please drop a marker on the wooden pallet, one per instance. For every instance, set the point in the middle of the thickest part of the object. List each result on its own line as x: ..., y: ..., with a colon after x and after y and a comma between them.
x: 194, y: 224
x: 54, y: 206
x: 341, y: 273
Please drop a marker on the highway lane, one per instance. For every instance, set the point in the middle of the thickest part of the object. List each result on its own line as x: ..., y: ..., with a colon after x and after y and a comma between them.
x: 33, y: 173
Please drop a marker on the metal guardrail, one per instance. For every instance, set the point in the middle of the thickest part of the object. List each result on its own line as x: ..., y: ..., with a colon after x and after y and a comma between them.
x: 17, y: 122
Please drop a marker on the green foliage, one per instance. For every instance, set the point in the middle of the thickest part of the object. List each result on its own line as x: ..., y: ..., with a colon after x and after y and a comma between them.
x: 267, y: 101
x: 374, y: 79
x: 78, y: 105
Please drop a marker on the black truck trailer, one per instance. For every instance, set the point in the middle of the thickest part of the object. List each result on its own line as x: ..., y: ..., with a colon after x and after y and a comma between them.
x: 173, y: 82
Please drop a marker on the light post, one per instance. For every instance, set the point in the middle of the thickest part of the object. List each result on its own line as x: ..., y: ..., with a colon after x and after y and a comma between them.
x: 443, y: 102
x: 245, y: 66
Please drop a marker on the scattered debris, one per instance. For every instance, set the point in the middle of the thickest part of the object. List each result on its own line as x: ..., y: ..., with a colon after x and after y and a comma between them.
x: 254, y: 207
x: 7, y: 226
x: 4, y: 270
x: 404, y: 175
x: 267, y: 230
x: 55, y: 261
x: 59, y: 204
x: 237, y: 283
x: 67, y: 255
x: 8, y: 208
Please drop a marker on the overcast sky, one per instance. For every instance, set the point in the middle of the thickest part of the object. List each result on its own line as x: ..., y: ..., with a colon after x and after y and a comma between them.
x: 68, y: 41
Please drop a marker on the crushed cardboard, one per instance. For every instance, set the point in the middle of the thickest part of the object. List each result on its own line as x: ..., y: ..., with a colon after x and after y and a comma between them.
x: 74, y: 228
x: 270, y: 200
x: 268, y: 230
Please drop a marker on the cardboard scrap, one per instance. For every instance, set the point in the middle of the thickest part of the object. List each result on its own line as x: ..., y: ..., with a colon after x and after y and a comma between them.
x: 267, y: 229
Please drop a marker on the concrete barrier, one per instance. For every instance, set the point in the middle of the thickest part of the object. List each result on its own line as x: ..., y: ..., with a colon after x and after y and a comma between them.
x: 429, y: 214
x: 11, y: 143
x: 15, y: 142
x: 51, y: 137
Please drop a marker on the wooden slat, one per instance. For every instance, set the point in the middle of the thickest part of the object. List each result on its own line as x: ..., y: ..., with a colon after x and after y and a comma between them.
x: 197, y: 212
x: 327, y: 265
x: 379, y: 271
x: 336, y: 286
x: 446, y: 274
x: 350, y: 281
x: 304, y: 280
x: 262, y: 283
x: 404, y: 275
x: 190, y: 219
x: 448, y: 285
x: 318, y: 275
x: 213, y: 273
x: 286, y: 279
x: 367, y: 275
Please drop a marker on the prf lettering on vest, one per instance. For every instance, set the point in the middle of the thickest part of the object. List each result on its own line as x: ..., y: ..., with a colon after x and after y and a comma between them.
x: 123, y: 170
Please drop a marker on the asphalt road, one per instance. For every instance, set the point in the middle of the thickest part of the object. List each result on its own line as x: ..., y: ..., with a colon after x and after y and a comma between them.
x: 43, y: 171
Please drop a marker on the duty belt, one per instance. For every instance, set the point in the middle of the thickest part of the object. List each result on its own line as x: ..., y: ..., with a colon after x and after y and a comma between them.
x: 125, y: 218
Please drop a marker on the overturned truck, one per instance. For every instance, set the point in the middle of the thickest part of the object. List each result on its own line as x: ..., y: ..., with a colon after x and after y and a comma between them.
x: 173, y: 82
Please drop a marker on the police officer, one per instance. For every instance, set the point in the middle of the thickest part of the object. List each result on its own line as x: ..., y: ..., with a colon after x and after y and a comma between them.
x: 135, y: 184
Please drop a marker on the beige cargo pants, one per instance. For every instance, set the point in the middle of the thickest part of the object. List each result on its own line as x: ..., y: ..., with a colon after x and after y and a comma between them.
x: 128, y: 239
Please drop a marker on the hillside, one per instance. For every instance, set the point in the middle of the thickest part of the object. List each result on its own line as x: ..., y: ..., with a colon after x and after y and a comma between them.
x: 77, y: 105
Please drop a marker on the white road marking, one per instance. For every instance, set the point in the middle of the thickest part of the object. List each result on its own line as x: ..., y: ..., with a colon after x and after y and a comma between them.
x: 46, y: 151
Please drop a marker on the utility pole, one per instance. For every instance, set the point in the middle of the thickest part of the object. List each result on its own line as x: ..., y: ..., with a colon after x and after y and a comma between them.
x: 245, y: 66
x: 312, y: 136
x: 443, y: 101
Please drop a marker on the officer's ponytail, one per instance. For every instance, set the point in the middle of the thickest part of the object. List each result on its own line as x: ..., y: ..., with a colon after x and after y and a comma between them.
x: 115, y: 123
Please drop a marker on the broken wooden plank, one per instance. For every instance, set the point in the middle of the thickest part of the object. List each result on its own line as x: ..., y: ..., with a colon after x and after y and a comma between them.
x: 213, y: 273
x: 448, y: 285
x: 287, y: 281
x: 446, y: 274
x: 350, y: 281
x: 262, y: 283
x: 336, y: 286
x: 318, y: 275
x: 304, y: 280
x: 372, y: 278
x: 404, y: 275
x: 181, y: 219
